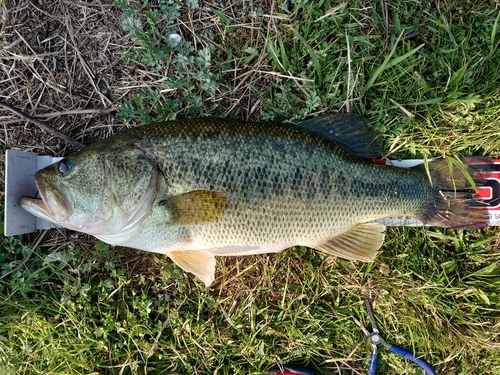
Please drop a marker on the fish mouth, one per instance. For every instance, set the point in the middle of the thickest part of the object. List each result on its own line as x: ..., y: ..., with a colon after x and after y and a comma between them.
x: 53, y: 205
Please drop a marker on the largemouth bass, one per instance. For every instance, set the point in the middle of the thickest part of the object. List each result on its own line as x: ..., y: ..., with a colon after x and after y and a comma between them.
x: 196, y: 189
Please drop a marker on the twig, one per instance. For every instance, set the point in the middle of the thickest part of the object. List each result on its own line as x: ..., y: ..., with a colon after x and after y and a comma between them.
x: 102, y: 111
x: 44, y: 126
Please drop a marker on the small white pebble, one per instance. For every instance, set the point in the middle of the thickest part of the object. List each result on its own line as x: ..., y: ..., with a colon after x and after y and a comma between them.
x: 175, y: 37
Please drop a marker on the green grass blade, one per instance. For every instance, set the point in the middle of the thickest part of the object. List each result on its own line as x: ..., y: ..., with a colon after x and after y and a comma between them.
x: 382, y: 67
x: 401, y: 58
x: 284, y: 56
x: 493, y: 47
x: 312, y: 55
x: 388, y: 63
x: 458, y: 163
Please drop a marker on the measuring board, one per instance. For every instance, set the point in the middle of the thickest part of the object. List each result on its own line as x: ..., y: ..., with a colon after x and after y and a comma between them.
x: 21, y: 167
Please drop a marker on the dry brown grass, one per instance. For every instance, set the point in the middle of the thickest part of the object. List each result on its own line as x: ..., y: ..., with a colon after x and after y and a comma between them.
x: 60, y: 56
x: 62, y: 62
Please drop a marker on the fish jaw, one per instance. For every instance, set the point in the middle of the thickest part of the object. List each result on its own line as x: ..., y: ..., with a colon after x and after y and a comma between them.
x: 36, y: 207
x: 53, y: 205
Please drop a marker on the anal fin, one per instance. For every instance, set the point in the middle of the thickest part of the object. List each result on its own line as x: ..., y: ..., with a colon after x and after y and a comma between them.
x: 201, y: 263
x: 359, y: 243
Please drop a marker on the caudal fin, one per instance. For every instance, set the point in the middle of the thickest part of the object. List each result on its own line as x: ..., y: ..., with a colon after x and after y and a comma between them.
x: 454, y: 204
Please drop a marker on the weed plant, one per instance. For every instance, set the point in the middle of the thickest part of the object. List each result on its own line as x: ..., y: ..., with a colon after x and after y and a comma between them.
x: 425, y: 73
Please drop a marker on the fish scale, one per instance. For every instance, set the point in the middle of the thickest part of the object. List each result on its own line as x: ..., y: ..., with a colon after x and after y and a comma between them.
x: 194, y: 189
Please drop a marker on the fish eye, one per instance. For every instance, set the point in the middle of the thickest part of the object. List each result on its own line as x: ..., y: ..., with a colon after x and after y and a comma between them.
x: 63, y: 167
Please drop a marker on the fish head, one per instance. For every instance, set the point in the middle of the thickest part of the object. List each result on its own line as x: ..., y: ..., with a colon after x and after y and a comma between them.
x: 104, y: 189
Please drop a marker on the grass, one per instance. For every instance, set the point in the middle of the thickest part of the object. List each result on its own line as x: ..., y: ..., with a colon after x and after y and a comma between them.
x: 424, y: 73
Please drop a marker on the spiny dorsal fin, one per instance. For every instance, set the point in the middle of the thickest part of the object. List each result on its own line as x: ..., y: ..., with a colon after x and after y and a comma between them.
x: 349, y: 129
x: 196, y: 207
x: 201, y: 263
x: 359, y: 243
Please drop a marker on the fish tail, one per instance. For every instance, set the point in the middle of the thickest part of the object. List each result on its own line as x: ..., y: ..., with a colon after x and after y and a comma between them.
x: 453, y: 200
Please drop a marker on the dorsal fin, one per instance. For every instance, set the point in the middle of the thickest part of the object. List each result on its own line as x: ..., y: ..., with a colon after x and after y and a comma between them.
x: 349, y: 129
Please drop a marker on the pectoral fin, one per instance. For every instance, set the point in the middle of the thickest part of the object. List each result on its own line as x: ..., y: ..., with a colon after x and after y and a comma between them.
x: 360, y: 243
x: 196, y: 207
x: 201, y: 263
